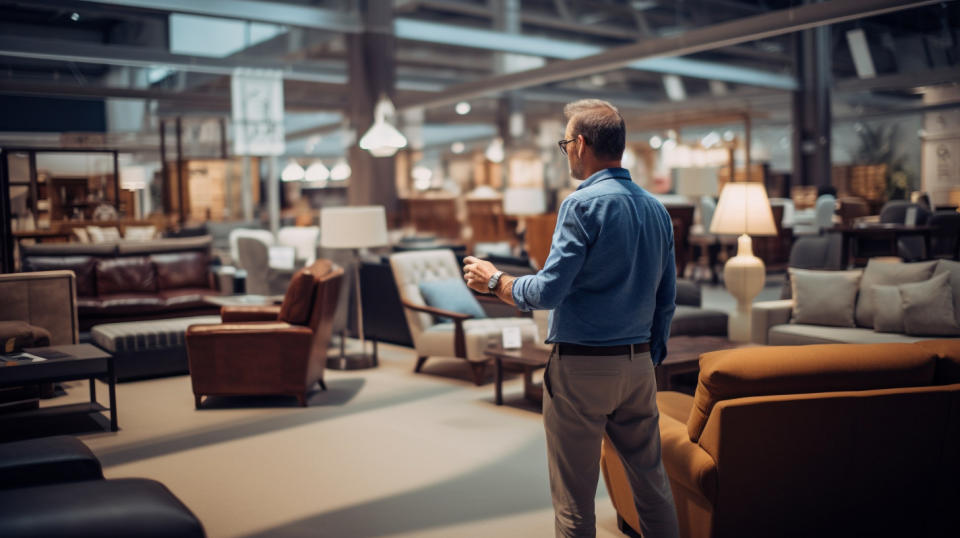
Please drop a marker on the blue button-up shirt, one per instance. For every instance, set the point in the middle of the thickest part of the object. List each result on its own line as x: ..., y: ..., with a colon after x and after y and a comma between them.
x: 610, y: 277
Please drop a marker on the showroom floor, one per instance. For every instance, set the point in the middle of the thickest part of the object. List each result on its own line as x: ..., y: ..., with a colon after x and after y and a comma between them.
x: 383, y: 452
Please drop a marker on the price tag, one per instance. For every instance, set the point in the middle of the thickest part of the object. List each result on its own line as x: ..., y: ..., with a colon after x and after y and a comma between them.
x: 512, y: 338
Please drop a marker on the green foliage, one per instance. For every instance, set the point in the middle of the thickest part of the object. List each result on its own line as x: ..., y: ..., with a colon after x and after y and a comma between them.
x: 878, y: 146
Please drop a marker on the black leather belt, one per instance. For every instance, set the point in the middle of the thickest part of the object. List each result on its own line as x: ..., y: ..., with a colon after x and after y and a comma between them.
x: 577, y: 349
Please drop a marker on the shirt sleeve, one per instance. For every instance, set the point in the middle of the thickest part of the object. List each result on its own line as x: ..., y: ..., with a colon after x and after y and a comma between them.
x: 547, y: 289
x: 666, y: 305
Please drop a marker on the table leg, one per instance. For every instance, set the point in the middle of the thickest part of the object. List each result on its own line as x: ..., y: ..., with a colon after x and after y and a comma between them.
x: 926, y: 245
x: 93, y: 390
x: 499, y: 383
x: 112, y: 380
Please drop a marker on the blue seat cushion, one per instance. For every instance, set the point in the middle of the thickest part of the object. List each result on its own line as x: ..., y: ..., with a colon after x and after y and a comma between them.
x: 450, y: 294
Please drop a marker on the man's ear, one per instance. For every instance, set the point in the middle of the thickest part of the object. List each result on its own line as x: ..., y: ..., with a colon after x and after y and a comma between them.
x: 581, y: 146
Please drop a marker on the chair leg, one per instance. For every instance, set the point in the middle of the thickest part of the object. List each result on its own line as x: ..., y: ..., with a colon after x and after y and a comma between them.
x: 420, y: 361
x: 323, y: 386
x: 302, y: 399
x: 479, y: 372
x: 196, y: 400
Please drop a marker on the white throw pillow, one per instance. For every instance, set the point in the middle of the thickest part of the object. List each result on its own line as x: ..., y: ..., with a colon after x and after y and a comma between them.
x: 140, y: 233
x: 105, y: 234
x: 824, y: 297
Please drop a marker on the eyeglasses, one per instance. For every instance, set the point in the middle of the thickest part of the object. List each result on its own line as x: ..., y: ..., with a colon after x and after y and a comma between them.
x: 563, y: 144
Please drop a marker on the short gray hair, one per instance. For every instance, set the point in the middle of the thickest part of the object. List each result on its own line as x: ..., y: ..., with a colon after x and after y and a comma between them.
x: 601, y: 125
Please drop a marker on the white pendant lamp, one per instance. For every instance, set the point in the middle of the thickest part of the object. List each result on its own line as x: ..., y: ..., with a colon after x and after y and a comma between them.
x: 317, y: 172
x: 494, y: 152
x: 292, y: 172
x: 383, y: 139
x: 341, y: 170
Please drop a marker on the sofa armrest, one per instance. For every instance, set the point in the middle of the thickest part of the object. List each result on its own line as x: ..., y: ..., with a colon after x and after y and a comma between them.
x: 242, y: 313
x: 685, y: 461
x: 766, y: 314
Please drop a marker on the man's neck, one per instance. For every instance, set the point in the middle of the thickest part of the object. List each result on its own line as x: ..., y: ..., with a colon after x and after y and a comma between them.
x: 596, y: 167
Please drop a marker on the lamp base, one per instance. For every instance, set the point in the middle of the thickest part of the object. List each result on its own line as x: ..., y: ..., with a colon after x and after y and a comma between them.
x: 744, y: 276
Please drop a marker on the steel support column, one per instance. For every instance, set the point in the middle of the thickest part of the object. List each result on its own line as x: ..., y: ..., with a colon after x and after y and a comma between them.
x: 811, y: 108
x: 372, y: 73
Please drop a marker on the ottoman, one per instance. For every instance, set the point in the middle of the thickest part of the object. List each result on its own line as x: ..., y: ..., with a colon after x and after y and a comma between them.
x: 48, y: 460
x: 149, y: 348
x: 120, y: 507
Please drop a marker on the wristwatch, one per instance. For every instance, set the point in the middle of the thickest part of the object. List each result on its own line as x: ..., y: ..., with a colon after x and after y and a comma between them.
x: 494, y: 280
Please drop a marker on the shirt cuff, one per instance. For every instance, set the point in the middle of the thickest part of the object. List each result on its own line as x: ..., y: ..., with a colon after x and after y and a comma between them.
x: 519, y: 285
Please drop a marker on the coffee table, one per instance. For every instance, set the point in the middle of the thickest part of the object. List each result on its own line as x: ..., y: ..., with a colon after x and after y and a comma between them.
x: 64, y: 363
x: 527, y: 359
x: 683, y: 356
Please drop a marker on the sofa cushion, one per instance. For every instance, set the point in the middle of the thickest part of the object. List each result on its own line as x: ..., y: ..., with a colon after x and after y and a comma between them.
x: 928, y: 307
x: 84, y: 267
x: 298, y: 301
x: 888, y: 318
x: 134, y: 274
x: 790, y: 334
x: 759, y: 371
x: 103, y: 234
x: 694, y: 320
x: 886, y: 273
x: 451, y: 294
x: 181, y: 270
x: 948, y: 359
x: 824, y: 297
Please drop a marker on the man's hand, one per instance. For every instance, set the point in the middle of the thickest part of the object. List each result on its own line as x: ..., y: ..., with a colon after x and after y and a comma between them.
x: 477, y: 273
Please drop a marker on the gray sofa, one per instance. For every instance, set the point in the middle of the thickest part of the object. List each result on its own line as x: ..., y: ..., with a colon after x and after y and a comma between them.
x: 772, y: 323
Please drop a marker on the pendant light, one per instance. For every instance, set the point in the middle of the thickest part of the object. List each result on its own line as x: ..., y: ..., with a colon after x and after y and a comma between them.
x: 383, y: 139
x: 292, y: 172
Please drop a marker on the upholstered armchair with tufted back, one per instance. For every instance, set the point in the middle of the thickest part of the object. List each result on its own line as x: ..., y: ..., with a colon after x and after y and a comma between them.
x: 465, y: 336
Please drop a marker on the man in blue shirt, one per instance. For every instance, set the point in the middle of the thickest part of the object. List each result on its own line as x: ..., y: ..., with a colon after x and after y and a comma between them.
x: 610, y: 280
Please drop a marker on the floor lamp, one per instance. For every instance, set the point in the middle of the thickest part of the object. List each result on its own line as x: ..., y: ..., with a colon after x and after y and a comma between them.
x: 355, y: 228
x: 743, y: 210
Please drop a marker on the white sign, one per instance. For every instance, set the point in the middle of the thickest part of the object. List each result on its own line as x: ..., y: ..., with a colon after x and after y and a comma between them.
x: 512, y: 338
x: 257, y: 99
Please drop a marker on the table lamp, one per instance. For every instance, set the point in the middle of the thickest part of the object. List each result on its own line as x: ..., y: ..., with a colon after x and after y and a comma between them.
x: 355, y: 228
x: 743, y: 210
x: 521, y: 203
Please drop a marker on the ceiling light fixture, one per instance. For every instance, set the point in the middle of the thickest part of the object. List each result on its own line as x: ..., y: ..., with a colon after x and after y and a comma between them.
x: 292, y: 172
x: 656, y: 142
x: 495, y: 152
x: 458, y: 147
x: 341, y: 170
x: 75, y: 16
x: 383, y: 139
x: 462, y: 108
x: 317, y: 172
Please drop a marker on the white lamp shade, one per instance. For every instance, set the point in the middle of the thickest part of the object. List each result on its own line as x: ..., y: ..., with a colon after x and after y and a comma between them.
x: 743, y: 209
x: 353, y: 227
x: 133, y: 178
x: 525, y: 201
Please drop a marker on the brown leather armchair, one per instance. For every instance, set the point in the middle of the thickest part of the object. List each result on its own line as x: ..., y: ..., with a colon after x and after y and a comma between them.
x: 269, y: 349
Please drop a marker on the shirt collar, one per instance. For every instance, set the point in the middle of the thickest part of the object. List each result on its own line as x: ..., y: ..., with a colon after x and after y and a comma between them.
x: 606, y: 173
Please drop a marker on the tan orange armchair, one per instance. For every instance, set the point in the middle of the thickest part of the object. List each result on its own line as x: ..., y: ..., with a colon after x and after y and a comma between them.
x: 260, y: 350
x: 819, y: 440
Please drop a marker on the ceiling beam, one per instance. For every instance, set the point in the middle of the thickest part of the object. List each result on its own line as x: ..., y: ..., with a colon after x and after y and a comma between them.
x: 248, y: 10
x: 900, y: 81
x: 712, y: 37
x: 71, y: 51
x: 458, y: 36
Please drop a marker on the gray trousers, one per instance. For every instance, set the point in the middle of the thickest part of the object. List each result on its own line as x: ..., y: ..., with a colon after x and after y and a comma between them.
x: 583, y: 397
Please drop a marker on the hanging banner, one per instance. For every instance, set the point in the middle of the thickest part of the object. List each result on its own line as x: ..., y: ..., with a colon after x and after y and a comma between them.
x: 257, y: 104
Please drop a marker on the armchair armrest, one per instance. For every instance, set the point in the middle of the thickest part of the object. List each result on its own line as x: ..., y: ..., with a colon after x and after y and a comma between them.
x: 241, y: 313
x: 459, y: 340
x: 686, y: 462
x: 766, y: 314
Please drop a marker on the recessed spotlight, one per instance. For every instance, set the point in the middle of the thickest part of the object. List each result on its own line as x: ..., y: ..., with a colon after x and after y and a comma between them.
x: 462, y: 108
x: 728, y: 136
x: 458, y: 147
x: 74, y: 16
x: 656, y: 142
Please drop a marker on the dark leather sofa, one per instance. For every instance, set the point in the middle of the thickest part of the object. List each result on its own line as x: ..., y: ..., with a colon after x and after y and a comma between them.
x: 128, y: 281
